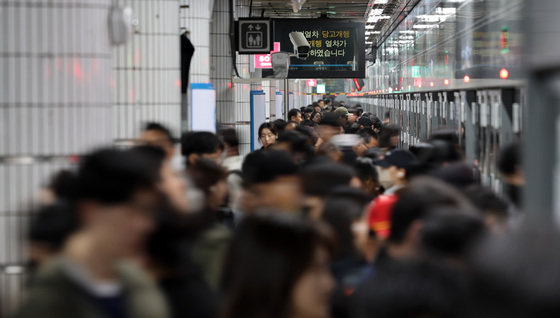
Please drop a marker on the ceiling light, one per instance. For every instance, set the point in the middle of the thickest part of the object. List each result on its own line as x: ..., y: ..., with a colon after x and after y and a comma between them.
x: 373, y: 19
x: 375, y: 12
x: 426, y: 26
x: 430, y: 18
x: 446, y: 11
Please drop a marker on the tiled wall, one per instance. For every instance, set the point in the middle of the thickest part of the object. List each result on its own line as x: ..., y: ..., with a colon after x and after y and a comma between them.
x: 55, y: 101
x: 147, y: 70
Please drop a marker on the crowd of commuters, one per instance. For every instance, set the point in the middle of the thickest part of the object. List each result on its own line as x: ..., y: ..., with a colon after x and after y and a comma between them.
x: 330, y: 218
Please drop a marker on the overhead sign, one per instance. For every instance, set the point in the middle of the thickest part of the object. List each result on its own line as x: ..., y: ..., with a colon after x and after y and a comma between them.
x: 254, y: 36
x: 311, y: 83
x: 337, y: 47
x: 321, y: 89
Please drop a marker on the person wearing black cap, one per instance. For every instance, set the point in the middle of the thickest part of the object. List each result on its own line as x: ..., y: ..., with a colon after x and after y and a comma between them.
x: 393, y: 169
x: 393, y: 177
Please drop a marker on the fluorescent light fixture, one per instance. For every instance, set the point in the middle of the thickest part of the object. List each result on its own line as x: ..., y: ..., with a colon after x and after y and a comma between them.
x: 446, y: 11
x: 373, y: 32
x: 14, y: 270
x: 370, y: 26
x: 429, y: 18
x: 373, y: 19
x: 380, y: 1
x: 376, y: 12
x: 426, y: 26
x: 407, y: 32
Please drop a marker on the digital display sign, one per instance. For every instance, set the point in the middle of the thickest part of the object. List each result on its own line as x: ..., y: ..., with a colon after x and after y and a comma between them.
x: 337, y: 47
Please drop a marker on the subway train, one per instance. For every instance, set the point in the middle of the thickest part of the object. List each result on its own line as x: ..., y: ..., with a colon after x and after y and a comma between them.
x: 453, y: 64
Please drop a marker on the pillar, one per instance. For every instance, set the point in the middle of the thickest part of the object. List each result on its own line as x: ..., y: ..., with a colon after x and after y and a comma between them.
x: 55, y: 103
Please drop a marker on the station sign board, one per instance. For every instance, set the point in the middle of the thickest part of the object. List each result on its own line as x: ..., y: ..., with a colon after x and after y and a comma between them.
x: 254, y: 36
x: 337, y: 47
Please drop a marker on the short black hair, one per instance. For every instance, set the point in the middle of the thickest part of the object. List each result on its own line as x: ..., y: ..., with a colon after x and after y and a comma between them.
x: 153, y: 155
x: 449, y: 232
x: 297, y: 140
x: 206, y: 173
x: 63, y: 184
x: 373, y: 153
x: 330, y: 119
x: 446, y: 134
x: 487, y: 201
x: 387, y: 114
x: 112, y: 176
x: 266, y: 165
x: 267, y: 256
x: 457, y: 174
x: 339, y: 213
x: 320, y: 178
x: 160, y: 128
x: 365, y: 169
x: 352, y: 194
x: 200, y: 142
x: 510, y: 158
x: 309, y: 133
x: 52, y: 224
x: 366, y: 134
x: 229, y: 137
x: 386, y: 133
x: 293, y: 112
x: 279, y: 125
x: 415, y: 202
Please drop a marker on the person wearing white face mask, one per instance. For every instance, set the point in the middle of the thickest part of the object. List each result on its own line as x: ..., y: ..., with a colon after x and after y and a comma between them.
x: 392, y: 176
x: 392, y: 169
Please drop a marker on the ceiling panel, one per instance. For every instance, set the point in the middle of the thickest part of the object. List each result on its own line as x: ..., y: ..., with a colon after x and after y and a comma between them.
x: 354, y: 9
